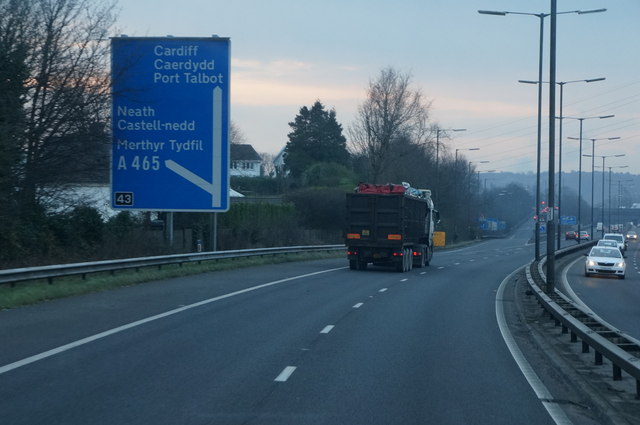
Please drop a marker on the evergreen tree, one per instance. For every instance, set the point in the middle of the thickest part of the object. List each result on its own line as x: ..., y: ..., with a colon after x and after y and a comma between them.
x: 316, y: 136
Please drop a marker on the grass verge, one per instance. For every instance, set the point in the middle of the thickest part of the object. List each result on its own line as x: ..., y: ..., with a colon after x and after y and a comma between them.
x: 32, y: 292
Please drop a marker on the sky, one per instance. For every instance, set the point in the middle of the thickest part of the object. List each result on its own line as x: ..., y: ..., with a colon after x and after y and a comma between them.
x: 287, y: 54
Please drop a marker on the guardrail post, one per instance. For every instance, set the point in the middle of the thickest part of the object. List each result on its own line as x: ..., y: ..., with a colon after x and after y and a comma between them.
x: 617, y: 373
x: 598, y: 358
x: 574, y: 337
x: 637, y: 389
x: 585, y: 347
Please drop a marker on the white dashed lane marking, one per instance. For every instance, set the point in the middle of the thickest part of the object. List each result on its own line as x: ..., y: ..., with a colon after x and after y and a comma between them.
x: 285, y: 374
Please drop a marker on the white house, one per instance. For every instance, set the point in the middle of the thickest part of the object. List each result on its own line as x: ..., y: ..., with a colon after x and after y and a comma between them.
x: 278, y: 162
x: 245, y: 161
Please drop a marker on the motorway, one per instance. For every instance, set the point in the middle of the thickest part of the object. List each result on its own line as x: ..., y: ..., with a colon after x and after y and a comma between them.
x: 615, y: 300
x: 298, y: 343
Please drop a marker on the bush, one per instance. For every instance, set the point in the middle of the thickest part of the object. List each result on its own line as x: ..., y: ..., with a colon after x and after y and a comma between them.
x: 329, y: 174
x: 320, y: 208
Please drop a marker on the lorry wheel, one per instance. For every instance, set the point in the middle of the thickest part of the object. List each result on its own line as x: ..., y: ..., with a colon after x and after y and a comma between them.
x: 419, y: 260
x: 404, y: 261
x: 353, y: 264
x: 362, y: 265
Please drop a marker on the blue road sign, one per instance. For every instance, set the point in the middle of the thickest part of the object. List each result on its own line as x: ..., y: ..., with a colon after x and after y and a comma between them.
x: 568, y: 219
x: 170, y: 123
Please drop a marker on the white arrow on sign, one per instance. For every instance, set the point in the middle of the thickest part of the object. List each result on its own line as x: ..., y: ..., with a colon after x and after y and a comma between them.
x: 215, y: 187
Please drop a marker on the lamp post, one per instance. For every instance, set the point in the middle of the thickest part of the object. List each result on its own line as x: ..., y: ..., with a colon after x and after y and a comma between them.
x: 620, y: 166
x: 470, y: 196
x: 581, y: 119
x: 540, y: 16
x: 561, y: 84
x: 593, y: 171
x: 620, y: 200
x: 455, y: 188
x: 438, y: 131
x: 592, y: 174
x: 484, y: 189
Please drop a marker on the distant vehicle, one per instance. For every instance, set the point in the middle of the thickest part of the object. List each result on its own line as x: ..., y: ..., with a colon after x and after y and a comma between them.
x: 584, y: 235
x: 619, y: 238
x: 605, y: 261
x: 607, y: 242
x: 571, y: 235
x: 632, y: 235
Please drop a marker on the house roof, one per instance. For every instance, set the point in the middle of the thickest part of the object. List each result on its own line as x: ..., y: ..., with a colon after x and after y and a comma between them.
x: 240, y: 152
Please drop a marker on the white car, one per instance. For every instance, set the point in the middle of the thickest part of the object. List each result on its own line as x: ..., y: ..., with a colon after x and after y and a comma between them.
x: 605, y: 260
x: 607, y: 242
x: 583, y: 235
x: 619, y: 238
x: 632, y: 235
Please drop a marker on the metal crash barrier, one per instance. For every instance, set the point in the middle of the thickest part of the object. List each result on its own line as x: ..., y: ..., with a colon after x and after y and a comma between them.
x: 620, y: 349
x: 13, y: 276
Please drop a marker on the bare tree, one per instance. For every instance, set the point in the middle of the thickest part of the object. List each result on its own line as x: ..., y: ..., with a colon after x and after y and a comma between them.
x: 268, y: 166
x: 67, y: 98
x: 393, y: 111
x: 236, y: 136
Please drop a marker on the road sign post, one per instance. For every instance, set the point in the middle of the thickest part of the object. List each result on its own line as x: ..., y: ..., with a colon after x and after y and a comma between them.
x: 170, y: 124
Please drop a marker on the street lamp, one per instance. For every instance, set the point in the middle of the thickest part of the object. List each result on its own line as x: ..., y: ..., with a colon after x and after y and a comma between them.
x: 438, y: 131
x: 620, y: 166
x: 581, y: 119
x: 540, y: 16
x: 561, y: 84
x: 470, y: 196
x: 593, y: 171
x: 455, y: 188
x: 620, y: 200
x: 469, y: 174
x: 603, y: 169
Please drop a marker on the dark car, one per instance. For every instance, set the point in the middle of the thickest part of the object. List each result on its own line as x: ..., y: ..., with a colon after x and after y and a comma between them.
x: 571, y: 235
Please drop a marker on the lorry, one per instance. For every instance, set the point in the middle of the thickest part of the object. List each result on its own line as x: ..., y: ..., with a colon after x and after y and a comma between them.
x: 389, y: 225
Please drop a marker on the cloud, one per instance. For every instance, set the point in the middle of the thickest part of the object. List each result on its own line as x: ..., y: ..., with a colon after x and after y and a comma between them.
x: 254, y: 91
x: 289, y: 82
x: 277, y: 68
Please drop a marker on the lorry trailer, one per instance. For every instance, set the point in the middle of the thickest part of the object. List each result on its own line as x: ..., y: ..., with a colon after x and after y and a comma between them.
x: 389, y: 225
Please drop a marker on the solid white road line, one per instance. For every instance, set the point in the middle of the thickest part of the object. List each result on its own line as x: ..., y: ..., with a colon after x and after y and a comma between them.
x: 543, y: 394
x: 285, y: 374
x: 92, y: 338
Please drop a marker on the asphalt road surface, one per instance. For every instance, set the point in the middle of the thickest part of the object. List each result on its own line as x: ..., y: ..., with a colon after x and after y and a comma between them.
x: 299, y: 343
x: 617, y: 301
